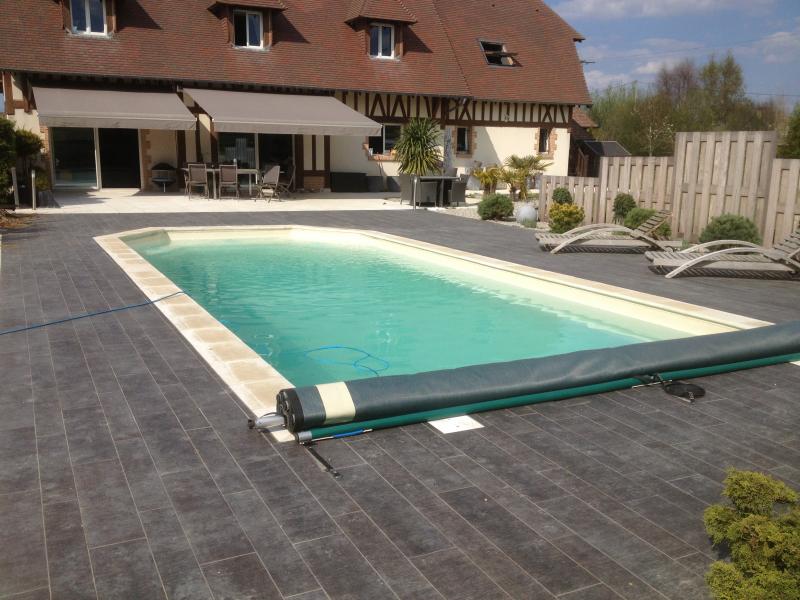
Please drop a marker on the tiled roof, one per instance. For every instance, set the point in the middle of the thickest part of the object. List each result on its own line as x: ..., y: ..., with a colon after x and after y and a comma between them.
x: 182, y: 40
x: 383, y: 10
x: 582, y: 119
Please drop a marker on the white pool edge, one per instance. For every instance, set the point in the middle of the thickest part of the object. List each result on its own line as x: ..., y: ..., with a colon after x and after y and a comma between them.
x: 256, y: 382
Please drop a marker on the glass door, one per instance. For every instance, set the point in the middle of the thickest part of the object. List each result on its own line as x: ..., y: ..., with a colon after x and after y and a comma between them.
x: 74, y: 157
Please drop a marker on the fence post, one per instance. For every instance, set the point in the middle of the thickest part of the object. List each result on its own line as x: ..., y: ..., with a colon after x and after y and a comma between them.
x: 33, y: 188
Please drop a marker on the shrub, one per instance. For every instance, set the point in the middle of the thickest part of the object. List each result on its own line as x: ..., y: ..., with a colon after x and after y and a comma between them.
x: 564, y: 217
x: 562, y: 196
x: 764, y: 544
x: 731, y: 227
x: 623, y: 204
x: 639, y: 215
x: 8, y: 154
x: 495, y: 207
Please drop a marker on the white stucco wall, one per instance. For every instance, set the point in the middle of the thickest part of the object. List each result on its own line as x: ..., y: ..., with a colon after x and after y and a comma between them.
x: 492, y: 146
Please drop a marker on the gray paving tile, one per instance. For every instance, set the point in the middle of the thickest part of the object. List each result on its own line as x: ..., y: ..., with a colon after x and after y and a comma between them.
x: 276, y: 551
x: 88, y: 435
x: 240, y: 577
x: 177, y: 566
x: 332, y: 557
x: 22, y: 552
x: 18, y: 468
x: 297, y: 511
x: 553, y: 569
x: 126, y: 570
x: 55, y: 469
x: 396, y: 570
x: 169, y: 445
x: 409, y: 530
x: 67, y: 555
x: 205, y: 516
x: 143, y: 480
x: 224, y: 470
x: 595, y: 592
x: 622, y: 581
x: 455, y: 576
x: 324, y: 488
x: 109, y: 514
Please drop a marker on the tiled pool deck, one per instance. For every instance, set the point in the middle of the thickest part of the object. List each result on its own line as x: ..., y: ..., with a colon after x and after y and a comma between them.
x: 126, y: 469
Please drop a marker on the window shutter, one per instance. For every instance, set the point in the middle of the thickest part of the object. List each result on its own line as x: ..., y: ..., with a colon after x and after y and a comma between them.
x: 65, y: 15
x: 111, y: 16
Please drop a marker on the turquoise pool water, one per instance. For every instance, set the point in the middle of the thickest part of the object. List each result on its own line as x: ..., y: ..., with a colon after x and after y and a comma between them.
x: 323, y: 311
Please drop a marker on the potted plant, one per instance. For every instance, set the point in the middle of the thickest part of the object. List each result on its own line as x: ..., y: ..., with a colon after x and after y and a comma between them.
x: 418, y: 150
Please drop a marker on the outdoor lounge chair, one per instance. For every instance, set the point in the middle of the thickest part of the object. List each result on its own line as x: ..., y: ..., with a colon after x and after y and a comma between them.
x: 269, y: 182
x: 609, y: 237
x: 198, y: 177
x: 228, y: 178
x: 457, y: 195
x: 738, y: 259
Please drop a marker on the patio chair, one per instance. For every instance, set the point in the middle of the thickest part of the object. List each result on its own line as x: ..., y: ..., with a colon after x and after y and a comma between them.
x: 198, y: 177
x: 406, y: 188
x: 609, y: 237
x: 285, y: 186
x: 428, y: 192
x: 229, y: 178
x: 269, y: 182
x: 457, y: 195
x: 736, y: 259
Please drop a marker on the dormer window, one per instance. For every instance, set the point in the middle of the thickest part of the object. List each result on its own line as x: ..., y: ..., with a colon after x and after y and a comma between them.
x: 381, y: 40
x: 88, y: 17
x: 496, y: 54
x: 248, y: 29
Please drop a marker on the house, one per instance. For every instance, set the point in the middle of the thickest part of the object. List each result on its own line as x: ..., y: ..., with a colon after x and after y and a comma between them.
x: 322, y: 86
x: 585, y: 152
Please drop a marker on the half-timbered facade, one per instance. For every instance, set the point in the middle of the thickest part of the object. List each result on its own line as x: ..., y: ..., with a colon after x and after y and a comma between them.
x: 501, y: 78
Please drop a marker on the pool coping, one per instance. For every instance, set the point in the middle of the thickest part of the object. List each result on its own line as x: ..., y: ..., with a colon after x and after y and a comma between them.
x: 255, y: 381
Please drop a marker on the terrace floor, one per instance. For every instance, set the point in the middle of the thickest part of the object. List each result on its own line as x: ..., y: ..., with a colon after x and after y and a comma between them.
x: 127, y: 471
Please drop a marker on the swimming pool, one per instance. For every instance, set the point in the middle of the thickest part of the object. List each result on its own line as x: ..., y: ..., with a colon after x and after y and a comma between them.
x: 320, y: 305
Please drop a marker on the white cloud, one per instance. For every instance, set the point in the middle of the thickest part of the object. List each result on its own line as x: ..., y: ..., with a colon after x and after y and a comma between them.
x: 618, y: 9
x: 652, y: 67
x: 598, y: 80
x: 780, y: 47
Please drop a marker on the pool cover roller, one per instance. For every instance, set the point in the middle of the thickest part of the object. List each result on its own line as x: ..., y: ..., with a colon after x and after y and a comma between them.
x: 334, y: 409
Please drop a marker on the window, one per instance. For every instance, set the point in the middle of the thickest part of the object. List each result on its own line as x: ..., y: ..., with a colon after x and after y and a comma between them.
x: 88, y: 17
x: 384, y: 143
x: 248, y: 32
x: 239, y: 147
x: 463, y: 140
x: 544, y: 140
x: 381, y: 41
x: 496, y: 54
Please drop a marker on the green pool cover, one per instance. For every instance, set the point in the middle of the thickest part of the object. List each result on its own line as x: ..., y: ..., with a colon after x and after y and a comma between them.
x: 346, y: 407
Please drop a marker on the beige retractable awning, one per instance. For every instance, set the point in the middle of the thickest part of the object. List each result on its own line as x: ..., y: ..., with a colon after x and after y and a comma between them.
x: 64, y: 107
x: 252, y: 112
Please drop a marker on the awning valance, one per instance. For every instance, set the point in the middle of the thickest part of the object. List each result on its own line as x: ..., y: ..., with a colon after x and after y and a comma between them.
x: 65, y: 107
x: 252, y: 112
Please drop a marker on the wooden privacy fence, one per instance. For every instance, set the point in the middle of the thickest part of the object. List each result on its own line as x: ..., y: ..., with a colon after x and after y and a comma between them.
x: 712, y: 173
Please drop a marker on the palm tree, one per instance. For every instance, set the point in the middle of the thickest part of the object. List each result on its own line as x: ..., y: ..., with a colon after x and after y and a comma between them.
x: 419, y: 149
x: 519, y: 169
x: 488, y: 178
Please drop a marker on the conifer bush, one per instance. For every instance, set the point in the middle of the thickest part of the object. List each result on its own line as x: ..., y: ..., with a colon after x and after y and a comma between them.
x: 760, y: 527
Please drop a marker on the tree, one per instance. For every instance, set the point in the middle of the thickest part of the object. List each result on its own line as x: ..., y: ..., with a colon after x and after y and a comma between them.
x: 684, y: 97
x: 518, y: 169
x: 790, y: 148
x: 418, y: 148
x: 8, y: 154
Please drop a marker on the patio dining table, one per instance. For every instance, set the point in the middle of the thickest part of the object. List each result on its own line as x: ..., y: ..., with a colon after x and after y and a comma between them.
x: 252, y: 175
x: 440, y: 182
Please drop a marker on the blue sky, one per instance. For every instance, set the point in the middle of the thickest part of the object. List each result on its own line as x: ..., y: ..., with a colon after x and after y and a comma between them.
x: 629, y: 40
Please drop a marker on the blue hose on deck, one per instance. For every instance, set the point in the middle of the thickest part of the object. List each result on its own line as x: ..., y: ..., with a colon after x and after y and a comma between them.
x: 93, y: 314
